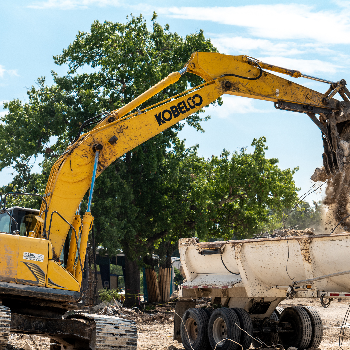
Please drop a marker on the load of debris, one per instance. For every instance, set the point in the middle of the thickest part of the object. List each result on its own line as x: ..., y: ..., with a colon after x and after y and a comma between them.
x: 293, y: 232
x: 289, y: 232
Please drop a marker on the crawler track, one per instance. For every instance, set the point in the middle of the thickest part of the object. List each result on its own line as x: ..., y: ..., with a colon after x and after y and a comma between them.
x: 5, y: 320
x: 114, y: 333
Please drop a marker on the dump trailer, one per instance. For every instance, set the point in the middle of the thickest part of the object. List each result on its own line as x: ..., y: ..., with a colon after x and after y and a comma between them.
x: 41, y: 285
x: 246, y: 281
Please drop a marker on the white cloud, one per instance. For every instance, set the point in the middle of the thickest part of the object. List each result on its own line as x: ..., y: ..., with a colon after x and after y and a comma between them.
x: 4, y: 71
x: 278, y: 21
x: 72, y: 4
x: 233, y: 105
x: 304, y: 66
x: 239, y: 45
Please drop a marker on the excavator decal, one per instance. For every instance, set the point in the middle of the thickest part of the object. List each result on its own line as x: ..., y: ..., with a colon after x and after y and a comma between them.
x: 180, y: 108
x: 50, y: 283
x: 38, y: 273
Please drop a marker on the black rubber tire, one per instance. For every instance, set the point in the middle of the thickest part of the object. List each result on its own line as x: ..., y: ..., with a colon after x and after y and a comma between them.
x: 300, y: 321
x: 208, y: 311
x: 317, y: 326
x: 222, y: 324
x: 247, y: 326
x: 194, y: 330
x: 274, y: 338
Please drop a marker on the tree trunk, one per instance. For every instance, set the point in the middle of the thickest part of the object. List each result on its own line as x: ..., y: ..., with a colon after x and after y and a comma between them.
x: 152, y: 286
x: 132, y: 283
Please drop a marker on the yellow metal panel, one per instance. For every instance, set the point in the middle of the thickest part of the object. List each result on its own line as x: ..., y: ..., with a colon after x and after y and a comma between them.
x: 9, y: 257
x: 73, y: 243
x: 213, y: 65
x: 59, y: 278
x: 32, y: 261
x: 268, y: 87
x: 23, y: 259
x: 87, y: 222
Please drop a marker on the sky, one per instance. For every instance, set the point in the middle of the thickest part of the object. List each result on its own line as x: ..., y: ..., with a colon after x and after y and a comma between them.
x: 313, y: 38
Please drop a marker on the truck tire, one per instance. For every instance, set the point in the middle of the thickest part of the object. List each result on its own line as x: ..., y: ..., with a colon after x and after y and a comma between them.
x: 194, y: 330
x: 247, y: 326
x: 317, y: 326
x: 222, y: 325
x: 299, y: 320
x: 275, y: 339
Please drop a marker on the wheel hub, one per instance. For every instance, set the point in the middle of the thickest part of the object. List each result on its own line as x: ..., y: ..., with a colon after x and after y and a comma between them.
x: 219, y: 330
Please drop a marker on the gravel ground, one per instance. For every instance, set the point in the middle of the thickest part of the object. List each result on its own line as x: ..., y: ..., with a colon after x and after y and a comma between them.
x: 155, y: 327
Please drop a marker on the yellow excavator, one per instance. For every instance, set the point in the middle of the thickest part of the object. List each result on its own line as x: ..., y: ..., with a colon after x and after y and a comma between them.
x: 36, y: 285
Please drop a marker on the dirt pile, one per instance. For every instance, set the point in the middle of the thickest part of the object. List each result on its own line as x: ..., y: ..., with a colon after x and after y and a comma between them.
x: 27, y: 342
x: 289, y: 232
x: 292, y: 232
x: 151, y: 315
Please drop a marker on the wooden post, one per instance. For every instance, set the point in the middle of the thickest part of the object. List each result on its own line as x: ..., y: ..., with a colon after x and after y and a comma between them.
x: 164, y: 284
x: 152, y: 286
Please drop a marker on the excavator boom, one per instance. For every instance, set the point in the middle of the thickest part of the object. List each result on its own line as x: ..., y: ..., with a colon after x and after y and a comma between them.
x: 120, y: 132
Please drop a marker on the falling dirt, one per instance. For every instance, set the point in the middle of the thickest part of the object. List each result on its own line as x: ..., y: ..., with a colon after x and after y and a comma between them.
x: 336, y: 216
x: 337, y: 200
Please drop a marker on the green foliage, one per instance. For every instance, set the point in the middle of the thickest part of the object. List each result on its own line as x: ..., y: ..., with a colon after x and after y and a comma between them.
x: 109, y: 295
x: 248, y: 192
x: 150, y: 307
x: 304, y: 216
x: 178, y: 279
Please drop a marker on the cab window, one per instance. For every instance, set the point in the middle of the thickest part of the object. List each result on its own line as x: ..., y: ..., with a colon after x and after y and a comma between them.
x: 5, y: 222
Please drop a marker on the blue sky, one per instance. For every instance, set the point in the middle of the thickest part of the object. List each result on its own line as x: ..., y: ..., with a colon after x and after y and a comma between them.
x: 313, y: 38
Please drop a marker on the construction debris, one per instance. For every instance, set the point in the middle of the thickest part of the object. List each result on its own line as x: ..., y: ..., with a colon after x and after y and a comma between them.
x: 292, y: 232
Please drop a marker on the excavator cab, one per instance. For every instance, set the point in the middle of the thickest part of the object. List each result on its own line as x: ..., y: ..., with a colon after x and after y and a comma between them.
x: 18, y: 220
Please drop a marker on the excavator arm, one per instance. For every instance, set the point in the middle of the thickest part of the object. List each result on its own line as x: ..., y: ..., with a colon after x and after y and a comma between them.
x: 121, y: 131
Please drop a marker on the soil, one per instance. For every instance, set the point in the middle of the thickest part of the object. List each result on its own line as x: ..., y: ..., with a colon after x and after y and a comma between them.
x: 292, y: 232
x: 155, y: 326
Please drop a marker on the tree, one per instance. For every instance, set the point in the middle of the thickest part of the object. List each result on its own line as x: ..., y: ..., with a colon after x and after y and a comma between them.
x: 248, y: 192
x: 304, y: 216
x: 131, y: 203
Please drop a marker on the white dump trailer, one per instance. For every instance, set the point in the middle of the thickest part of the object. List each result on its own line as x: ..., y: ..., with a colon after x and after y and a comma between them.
x: 247, y: 279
